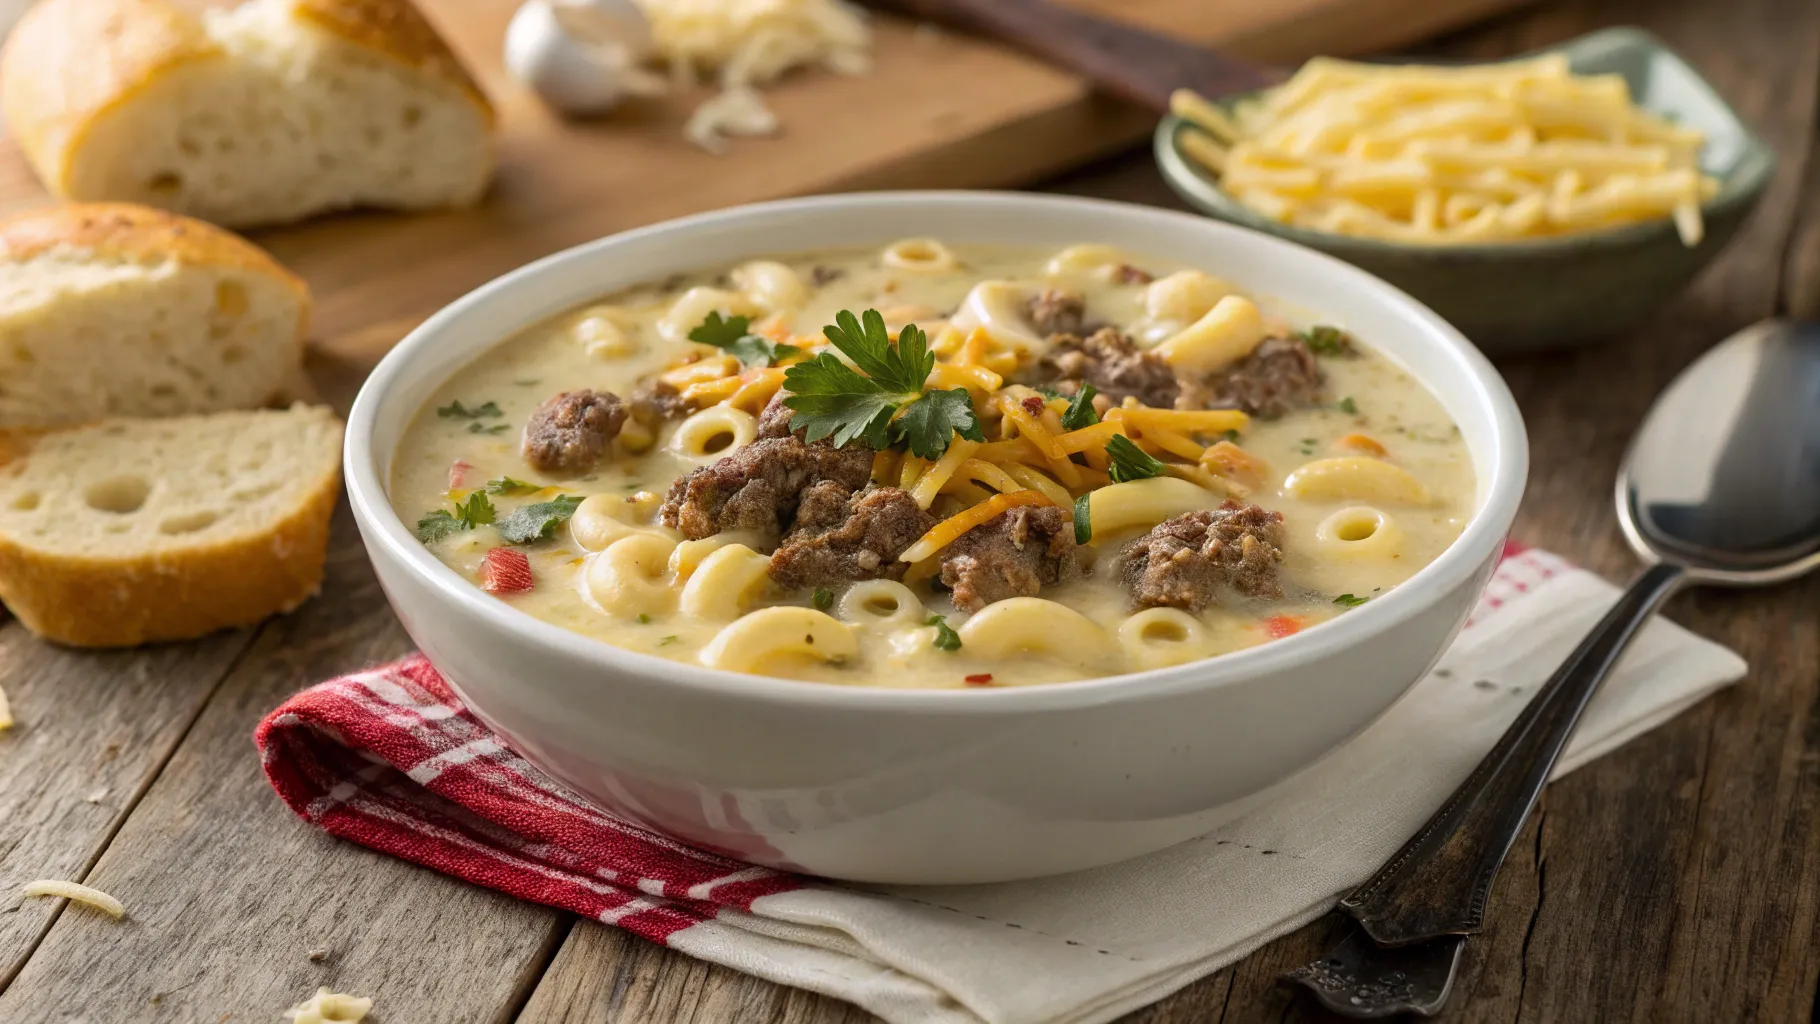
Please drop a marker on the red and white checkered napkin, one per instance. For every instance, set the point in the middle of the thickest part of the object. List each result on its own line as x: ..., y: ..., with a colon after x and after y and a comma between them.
x: 390, y: 759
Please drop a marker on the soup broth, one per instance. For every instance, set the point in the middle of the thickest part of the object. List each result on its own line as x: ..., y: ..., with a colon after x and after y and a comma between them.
x: 1233, y: 478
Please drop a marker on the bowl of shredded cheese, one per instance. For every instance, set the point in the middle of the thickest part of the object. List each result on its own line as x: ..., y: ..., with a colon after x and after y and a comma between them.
x: 1538, y: 202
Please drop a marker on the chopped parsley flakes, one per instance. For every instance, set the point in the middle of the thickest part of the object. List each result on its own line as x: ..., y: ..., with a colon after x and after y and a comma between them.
x: 946, y: 639
x: 456, y: 411
x: 1080, y: 412
x: 536, y: 521
x: 1083, y: 524
x: 1350, y: 601
x: 822, y: 599
x: 482, y: 428
x: 1129, y: 462
x: 507, y: 486
x: 730, y: 335
x: 1348, y: 406
x: 1326, y: 341
x: 886, y: 404
x: 476, y: 510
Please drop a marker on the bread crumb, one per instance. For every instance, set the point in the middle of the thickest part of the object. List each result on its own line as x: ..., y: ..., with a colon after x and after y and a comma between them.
x: 326, y: 1007
x: 95, y: 796
x: 77, y: 892
x: 318, y: 955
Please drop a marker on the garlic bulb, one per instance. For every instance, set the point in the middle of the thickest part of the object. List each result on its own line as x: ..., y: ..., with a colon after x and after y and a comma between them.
x: 581, y: 56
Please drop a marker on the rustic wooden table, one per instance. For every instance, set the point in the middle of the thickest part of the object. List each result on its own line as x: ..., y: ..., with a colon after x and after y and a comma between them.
x: 1677, y: 879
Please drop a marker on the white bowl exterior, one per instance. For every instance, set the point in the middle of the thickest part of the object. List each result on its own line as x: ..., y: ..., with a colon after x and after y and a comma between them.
x: 931, y: 787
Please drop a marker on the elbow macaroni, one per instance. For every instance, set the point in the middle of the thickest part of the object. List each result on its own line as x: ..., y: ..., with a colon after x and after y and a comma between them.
x: 1142, y: 503
x: 919, y: 255
x: 769, y: 635
x: 882, y: 605
x: 1184, y: 296
x: 1032, y: 625
x: 1222, y: 336
x: 1161, y: 637
x: 628, y: 579
x: 726, y: 583
x: 1080, y: 260
x: 1355, y: 478
x: 997, y: 307
x: 694, y: 305
x: 713, y: 433
x: 770, y: 285
x: 1359, y: 532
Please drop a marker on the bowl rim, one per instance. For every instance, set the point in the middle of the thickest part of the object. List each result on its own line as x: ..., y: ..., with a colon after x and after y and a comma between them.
x: 384, y: 532
x: 1742, y: 187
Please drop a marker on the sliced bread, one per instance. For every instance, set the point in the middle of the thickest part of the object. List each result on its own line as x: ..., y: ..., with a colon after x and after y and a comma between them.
x: 125, y: 532
x: 264, y: 113
x: 110, y: 309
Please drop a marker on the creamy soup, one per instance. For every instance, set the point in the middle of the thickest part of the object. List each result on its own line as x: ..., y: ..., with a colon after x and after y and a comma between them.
x: 927, y: 466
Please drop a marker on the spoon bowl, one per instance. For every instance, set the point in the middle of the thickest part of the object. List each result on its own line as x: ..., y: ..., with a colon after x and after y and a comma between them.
x: 1723, y: 479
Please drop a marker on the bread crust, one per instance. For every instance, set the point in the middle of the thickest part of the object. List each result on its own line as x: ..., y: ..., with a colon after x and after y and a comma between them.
x: 88, y: 601
x: 130, y: 233
x: 69, y: 62
x: 399, y: 30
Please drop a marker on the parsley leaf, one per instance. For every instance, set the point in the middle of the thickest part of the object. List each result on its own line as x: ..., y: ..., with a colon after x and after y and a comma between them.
x: 1348, y: 406
x: 1080, y: 412
x: 456, y: 411
x: 1350, y: 601
x: 829, y: 399
x: 538, y: 520
x: 1083, y: 522
x: 822, y: 599
x: 729, y: 334
x: 1129, y: 462
x: 1047, y: 391
x: 946, y: 639
x: 901, y: 368
x: 475, y: 511
x: 507, y: 486
x: 928, y: 423
x: 1326, y: 341
x: 643, y: 619
x: 665, y: 641
x: 1231, y: 435
x: 480, y: 428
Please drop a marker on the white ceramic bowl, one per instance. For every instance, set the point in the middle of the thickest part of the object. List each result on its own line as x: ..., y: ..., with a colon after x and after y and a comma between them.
x: 930, y: 786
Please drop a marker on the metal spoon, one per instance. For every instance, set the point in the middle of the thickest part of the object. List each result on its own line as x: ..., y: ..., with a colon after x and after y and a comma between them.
x: 1721, y: 486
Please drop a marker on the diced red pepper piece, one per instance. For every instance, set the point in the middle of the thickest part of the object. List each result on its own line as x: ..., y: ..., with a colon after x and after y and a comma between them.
x: 505, y: 571
x: 458, y: 473
x: 983, y: 679
x: 1280, y: 626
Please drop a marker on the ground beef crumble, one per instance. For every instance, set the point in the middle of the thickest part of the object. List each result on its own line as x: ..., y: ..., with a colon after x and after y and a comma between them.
x: 1013, y: 555
x: 841, y: 536
x: 568, y: 433
x: 1189, y: 561
x: 1111, y: 361
x: 1056, y: 311
x: 1280, y: 376
x: 758, y: 487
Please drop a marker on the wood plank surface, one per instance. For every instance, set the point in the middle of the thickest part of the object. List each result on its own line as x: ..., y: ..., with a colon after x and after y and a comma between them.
x: 1675, y: 880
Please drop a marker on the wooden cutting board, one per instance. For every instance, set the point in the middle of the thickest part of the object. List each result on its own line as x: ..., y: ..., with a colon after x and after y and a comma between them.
x: 939, y: 110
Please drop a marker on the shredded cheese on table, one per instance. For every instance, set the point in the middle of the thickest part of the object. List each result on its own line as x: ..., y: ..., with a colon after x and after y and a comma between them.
x: 740, y: 44
x: 77, y: 892
x: 326, y: 1007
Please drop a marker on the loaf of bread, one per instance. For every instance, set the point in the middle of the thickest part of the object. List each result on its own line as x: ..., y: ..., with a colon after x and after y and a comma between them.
x: 109, y: 309
x: 264, y: 113
x: 125, y: 532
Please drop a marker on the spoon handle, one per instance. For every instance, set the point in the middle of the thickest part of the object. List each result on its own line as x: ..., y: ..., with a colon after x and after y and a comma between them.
x: 1437, y: 884
x: 1124, y: 60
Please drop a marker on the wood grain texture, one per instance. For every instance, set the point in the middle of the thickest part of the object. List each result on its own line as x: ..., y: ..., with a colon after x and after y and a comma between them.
x: 227, y: 892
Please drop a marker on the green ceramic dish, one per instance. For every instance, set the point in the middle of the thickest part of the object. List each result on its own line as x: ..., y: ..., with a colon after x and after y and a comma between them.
x: 1550, y: 292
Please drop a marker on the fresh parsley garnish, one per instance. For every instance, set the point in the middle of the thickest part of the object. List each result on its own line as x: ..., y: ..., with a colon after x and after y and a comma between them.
x: 1348, y: 406
x: 509, y: 487
x: 643, y: 619
x: 538, y: 520
x: 665, y: 641
x: 1326, y: 341
x: 1080, y: 412
x: 476, y: 510
x: 1083, y: 523
x: 1309, y: 444
x: 886, y: 404
x: 456, y: 411
x: 729, y: 334
x: 1350, y: 601
x: 482, y: 428
x: 946, y: 639
x: 1231, y: 435
x: 1129, y: 462
x: 822, y: 599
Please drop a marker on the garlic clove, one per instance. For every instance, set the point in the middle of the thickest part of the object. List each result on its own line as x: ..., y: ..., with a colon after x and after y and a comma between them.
x: 580, y: 58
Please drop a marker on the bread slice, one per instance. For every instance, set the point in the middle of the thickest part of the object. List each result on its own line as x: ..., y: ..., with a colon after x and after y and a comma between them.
x: 126, y: 532
x: 260, y: 114
x: 115, y: 310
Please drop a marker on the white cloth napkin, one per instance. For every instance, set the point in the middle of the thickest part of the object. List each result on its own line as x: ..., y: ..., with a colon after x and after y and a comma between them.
x: 1096, y: 944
